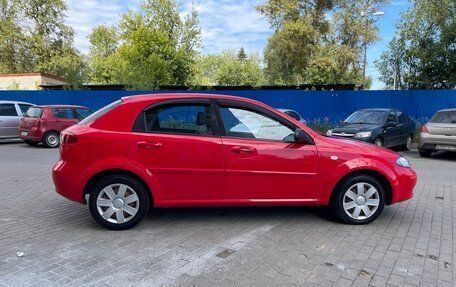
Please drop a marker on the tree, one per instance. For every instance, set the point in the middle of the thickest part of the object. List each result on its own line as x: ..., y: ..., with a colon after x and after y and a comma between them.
x: 308, y: 46
x: 35, y: 38
x: 422, y: 55
x: 227, y: 69
x: 242, y: 56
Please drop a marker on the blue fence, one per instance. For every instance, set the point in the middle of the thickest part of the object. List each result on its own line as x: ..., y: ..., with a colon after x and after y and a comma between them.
x: 312, y: 105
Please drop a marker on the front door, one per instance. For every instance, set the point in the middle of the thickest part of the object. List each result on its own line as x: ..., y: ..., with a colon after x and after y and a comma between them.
x: 392, y: 131
x: 180, y: 146
x: 261, y: 162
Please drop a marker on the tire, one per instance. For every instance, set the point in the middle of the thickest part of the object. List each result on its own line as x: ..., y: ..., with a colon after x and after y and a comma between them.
x: 51, y: 139
x: 408, y: 143
x: 113, y: 211
x: 425, y: 153
x: 378, y: 142
x: 350, y: 208
x: 31, y: 143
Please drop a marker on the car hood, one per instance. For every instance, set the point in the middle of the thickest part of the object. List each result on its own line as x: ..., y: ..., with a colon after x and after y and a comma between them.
x: 354, y: 128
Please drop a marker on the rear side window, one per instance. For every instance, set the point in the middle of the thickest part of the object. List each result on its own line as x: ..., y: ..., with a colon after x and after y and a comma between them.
x: 82, y: 113
x: 100, y: 112
x: 8, y: 110
x: 33, y: 112
x: 63, y: 113
x: 402, y: 118
x: 444, y: 117
x: 179, y: 119
x: 24, y: 108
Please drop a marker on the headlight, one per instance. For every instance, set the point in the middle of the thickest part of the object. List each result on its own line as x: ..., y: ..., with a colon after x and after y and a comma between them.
x: 363, y: 134
x: 402, y: 161
x: 329, y: 133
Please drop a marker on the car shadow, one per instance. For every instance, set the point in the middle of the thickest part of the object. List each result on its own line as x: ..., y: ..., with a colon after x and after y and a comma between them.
x: 441, y: 155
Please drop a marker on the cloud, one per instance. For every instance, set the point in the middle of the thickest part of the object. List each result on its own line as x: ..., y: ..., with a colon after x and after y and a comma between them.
x: 224, y: 24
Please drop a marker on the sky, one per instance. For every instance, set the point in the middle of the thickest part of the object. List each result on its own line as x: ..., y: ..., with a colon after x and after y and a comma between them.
x: 225, y: 24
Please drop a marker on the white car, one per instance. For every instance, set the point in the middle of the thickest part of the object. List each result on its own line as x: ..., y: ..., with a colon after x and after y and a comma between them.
x: 11, y: 113
x: 294, y: 115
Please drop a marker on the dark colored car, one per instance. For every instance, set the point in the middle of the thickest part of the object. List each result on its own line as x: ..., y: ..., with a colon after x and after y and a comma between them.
x: 382, y: 127
x: 44, y: 123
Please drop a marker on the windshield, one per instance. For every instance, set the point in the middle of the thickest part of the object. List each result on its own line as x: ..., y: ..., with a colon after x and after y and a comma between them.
x: 100, y: 112
x: 444, y: 117
x: 366, y: 117
x: 33, y: 112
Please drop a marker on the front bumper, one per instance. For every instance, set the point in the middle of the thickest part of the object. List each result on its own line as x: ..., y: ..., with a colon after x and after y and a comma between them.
x: 404, y: 185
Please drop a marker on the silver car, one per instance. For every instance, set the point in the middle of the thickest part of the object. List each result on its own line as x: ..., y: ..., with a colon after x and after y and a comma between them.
x: 439, y: 134
x: 11, y: 113
x: 294, y: 115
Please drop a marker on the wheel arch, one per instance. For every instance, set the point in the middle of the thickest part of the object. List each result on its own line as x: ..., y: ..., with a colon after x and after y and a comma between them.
x: 114, y: 171
x: 375, y: 174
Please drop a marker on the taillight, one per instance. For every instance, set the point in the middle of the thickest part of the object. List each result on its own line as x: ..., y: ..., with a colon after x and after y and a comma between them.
x: 68, y: 138
x: 424, y: 129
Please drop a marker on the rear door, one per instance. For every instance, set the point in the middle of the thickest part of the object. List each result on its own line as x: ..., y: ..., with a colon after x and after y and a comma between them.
x: 404, y: 127
x: 9, y: 120
x: 178, y: 142
x: 63, y: 117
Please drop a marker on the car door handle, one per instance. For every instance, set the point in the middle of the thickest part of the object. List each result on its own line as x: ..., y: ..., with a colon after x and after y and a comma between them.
x: 149, y: 145
x: 243, y: 149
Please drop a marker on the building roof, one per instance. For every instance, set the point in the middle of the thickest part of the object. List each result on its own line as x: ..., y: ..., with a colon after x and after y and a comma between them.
x: 34, y: 74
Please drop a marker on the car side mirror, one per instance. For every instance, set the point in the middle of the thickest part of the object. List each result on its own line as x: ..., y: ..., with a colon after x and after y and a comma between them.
x: 390, y: 124
x: 302, y: 137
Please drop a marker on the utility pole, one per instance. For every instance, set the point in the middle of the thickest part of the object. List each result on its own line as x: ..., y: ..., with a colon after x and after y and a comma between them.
x: 366, y: 15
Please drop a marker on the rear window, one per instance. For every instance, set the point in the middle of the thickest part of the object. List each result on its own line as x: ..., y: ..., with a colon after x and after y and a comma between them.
x: 33, y: 113
x: 100, y: 112
x: 444, y: 117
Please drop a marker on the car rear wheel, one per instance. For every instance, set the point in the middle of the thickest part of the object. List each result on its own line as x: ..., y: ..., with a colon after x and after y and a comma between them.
x: 358, y: 200
x: 425, y: 153
x: 378, y: 142
x: 118, y: 202
x: 408, y: 143
x: 51, y: 139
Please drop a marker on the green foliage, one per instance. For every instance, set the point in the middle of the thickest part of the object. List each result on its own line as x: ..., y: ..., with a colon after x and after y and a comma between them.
x: 147, y: 49
x: 422, y: 55
x: 34, y: 38
x: 310, y: 47
x: 228, y: 69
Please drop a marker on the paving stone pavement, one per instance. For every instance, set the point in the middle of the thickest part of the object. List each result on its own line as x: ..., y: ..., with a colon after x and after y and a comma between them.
x: 411, y: 244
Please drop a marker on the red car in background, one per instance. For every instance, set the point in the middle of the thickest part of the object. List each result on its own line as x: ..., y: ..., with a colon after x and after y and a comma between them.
x: 186, y: 150
x: 44, y: 123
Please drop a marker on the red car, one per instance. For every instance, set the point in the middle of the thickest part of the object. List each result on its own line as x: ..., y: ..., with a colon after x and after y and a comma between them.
x: 186, y: 150
x: 44, y: 123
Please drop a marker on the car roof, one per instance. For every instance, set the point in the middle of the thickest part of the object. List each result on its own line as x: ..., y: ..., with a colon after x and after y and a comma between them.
x: 447, y: 110
x: 61, y: 106
x: 287, y: 110
x: 15, y: 102
x: 381, y: 110
x: 167, y: 96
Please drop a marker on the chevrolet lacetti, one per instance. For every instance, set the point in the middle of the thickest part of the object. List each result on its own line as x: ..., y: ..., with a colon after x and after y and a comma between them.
x: 187, y: 150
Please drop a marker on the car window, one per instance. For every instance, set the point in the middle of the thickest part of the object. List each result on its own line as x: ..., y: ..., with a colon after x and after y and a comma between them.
x: 24, y: 107
x: 100, y: 112
x: 366, y: 117
x: 444, y: 117
x: 63, y: 113
x: 82, y: 113
x: 180, y: 118
x: 294, y: 115
x: 244, y: 123
x: 392, y: 118
x: 8, y: 110
x: 33, y: 112
x: 402, y: 118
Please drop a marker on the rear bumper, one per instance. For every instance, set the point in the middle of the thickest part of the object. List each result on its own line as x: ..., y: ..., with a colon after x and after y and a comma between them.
x: 33, y: 134
x: 428, y: 141
x: 66, y: 183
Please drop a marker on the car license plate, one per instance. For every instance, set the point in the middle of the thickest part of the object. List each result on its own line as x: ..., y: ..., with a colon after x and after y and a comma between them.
x: 445, y: 147
x: 24, y: 133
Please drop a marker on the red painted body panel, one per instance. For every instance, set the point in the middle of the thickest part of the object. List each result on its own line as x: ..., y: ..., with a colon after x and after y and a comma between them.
x: 195, y: 170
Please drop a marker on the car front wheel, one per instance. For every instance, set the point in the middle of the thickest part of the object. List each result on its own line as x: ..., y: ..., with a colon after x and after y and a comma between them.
x: 378, y: 142
x: 118, y: 202
x: 358, y: 200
